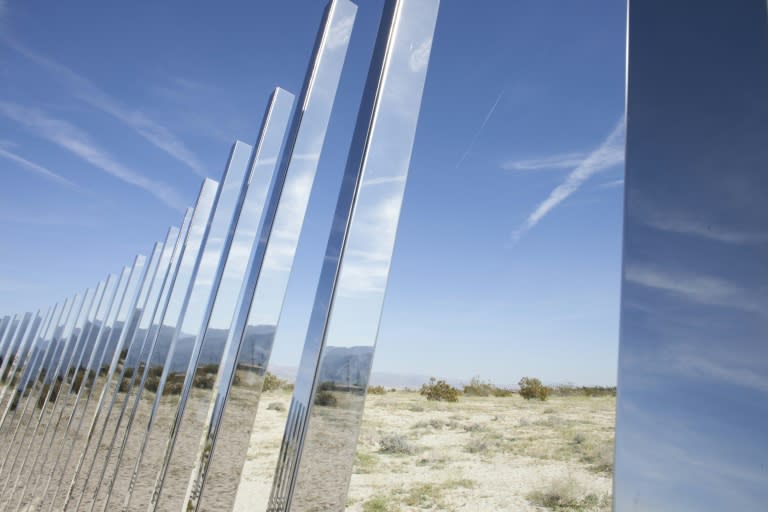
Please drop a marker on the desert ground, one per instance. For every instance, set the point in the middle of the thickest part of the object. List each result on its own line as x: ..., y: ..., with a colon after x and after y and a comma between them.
x: 478, y: 454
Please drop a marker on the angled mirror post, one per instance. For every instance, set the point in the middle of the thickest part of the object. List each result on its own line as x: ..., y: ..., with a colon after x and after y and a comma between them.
x: 38, y: 387
x: 341, y: 336
x: 64, y: 390
x: 130, y: 385
x: 207, y: 351
x: 18, y: 344
x: 122, y: 385
x: 692, y: 405
x: 8, y: 350
x: 192, y: 318
x: 239, y: 382
x: 80, y: 373
x: 120, y: 325
x: 128, y: 317
x: 168, y: 317
x: 50, y: 391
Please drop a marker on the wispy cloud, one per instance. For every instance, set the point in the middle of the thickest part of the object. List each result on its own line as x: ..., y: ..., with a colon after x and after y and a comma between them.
x: 562, y: 161
x: 480, y: 130
x: 682, y: 223
x: 153, y: 132
x: 36, y: 168
x: 612, y: 184
x: 79, y: 143
x: 605, y: 156
x: 700, y: 289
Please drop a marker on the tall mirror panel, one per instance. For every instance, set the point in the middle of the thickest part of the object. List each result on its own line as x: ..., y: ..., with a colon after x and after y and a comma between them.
x: 342, y: 331
x: 124, y: 382
x: 692, y: 408
x: 249, y: 342
x: 151, y: 366
x: 192, y: 319
x: 184, y: 433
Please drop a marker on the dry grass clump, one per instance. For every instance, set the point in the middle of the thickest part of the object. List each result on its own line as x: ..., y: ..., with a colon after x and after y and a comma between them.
x: 276, y: 406
x: 325, y: 398
x: 396, y: 444
x: 478, y: 387
x: 567, y: 495
x: 273, y: 383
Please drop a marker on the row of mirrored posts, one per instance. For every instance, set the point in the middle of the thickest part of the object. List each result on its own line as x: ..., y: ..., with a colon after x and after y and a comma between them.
x: 141, y: 392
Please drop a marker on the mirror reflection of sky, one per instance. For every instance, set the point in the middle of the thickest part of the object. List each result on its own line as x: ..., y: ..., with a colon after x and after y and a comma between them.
x: 692, y: 410
x: 509, y: 238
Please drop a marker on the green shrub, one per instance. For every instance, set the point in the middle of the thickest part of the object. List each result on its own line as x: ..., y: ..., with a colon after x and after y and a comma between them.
x: 531, y: 388
x: 440, y: 391
x: 152, y: 383
x: 377, y: 390
x: 325, y: 398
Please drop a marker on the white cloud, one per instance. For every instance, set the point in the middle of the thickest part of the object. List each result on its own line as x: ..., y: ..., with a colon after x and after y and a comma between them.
x: 38, y: 169
x: 420, y: 56
x: 156, y: 134
x: 562, y: 161
x: 694, y: 288
x: 340, y: 32
x: 675, y: 223
x: 79, y: 143
x: 607, y: 155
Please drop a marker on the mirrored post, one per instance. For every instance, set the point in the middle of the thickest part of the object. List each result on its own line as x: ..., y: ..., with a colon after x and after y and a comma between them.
x: 249, y: 342
x: 64, y: 390
x: 192, y: 319
x: 692, y: 406
x: 128, y: 318
x: 14, y: 340
x: 39, y: 381
x: 79, y: 375
x: 93, y: 373
x: 341, y: 337
x: 130, y: 386
x: 149, y: 299
x: 204, y: 361
x: 49, y: 392
x: 168, y: 320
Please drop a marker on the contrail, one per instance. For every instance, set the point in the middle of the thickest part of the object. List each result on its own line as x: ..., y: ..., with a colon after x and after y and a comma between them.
x: 482, y: 127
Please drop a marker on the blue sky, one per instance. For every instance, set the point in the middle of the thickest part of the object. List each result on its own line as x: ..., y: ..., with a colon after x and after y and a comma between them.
x: 508, y: 254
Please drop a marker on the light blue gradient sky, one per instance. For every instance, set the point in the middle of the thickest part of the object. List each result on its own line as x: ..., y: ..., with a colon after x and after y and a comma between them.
x: 508, y: 255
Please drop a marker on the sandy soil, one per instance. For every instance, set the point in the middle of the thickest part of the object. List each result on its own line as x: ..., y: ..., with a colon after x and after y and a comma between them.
x: 490, y: 453
x: 481, y: 453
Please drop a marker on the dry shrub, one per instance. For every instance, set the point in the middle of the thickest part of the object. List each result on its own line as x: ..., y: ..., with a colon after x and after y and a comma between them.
x: 440, y: 391
x: 325, y: 398
x: 396, y: 444
x: 377, y: 390
x: 531, y: 388
x: 272, y: 382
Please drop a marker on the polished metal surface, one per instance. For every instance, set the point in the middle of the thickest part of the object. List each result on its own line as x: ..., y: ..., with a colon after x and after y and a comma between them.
x: 19, y: 368
x: 342, y: 332
x: 123, y: 328
x: 193, y: 318
x: 692, y: 406
x: 40, y: 382
x: 118, y: 422
x: 16, y: 349
x: 4, y: 323
x: 129, y: 316
x: 8, y: 330
x: 249, y: 343
x: 207, y: 352
x: 66, y: 388
x: 169, y: 316
x: 49, y: 392
x: 80, y: 372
